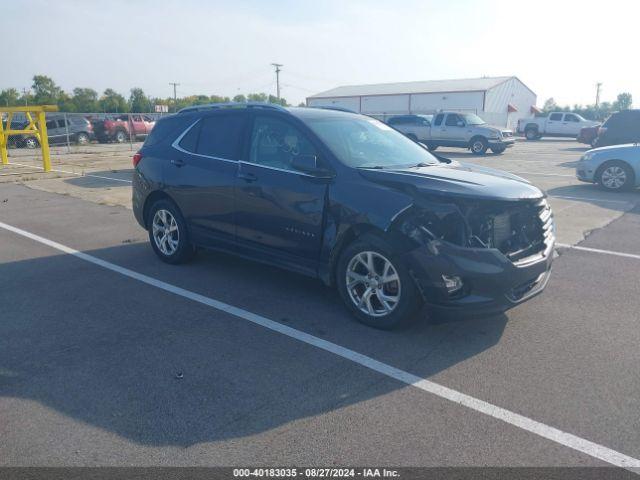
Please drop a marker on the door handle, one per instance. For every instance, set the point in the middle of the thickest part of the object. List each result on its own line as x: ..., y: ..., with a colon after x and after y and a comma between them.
x: 177, y: 163
x: 247, y: 176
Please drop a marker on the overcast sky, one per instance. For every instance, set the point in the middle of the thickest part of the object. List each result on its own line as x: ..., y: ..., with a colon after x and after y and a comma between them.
x: 558, y: 48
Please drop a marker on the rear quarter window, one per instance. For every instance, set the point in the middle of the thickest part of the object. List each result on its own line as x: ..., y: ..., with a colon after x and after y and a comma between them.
x: 168, y: 129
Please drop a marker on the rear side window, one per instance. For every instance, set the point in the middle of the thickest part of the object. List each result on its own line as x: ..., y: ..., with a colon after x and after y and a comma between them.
x: 438, y: 120
x: 190, y: 141
x: 570, y: 117
x: 220, y: 136
x: 556, y: 117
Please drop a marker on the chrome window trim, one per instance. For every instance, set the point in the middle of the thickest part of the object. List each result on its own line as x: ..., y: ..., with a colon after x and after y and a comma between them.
x: 176, y: 145
x: 295, y: 172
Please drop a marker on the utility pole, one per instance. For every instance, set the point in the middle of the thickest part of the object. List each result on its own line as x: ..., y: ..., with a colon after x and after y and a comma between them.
x: 175, y: 95
x: 24, y: 94
x: 277, y: 66
x: 598, y: 85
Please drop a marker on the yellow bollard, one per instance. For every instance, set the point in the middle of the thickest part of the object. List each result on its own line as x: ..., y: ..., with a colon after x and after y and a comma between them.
x: 44, y: 142
x: 4, y: 139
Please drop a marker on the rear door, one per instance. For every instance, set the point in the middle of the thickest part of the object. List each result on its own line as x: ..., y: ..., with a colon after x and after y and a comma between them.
x: 554, y: 124
x: 279, y: 210
x: 201, y: 173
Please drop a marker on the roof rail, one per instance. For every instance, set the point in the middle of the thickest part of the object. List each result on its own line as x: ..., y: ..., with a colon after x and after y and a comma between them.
x: 214, y: 106
x: 337, y: 109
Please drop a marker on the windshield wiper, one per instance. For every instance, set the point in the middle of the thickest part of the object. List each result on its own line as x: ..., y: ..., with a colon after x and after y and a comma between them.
x: 375, y: 167
x: 422, y: 164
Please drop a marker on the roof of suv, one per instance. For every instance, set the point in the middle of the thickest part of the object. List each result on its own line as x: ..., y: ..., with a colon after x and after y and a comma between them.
x: 302, y: 112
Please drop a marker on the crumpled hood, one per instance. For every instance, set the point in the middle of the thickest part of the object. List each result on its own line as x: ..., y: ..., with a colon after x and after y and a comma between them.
x: 458, y: 179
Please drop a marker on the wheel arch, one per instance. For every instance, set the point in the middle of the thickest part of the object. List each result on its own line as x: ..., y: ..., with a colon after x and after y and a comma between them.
x: 152, y: 198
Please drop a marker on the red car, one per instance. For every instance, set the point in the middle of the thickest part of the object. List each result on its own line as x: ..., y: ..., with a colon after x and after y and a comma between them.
x: 118, y: 128
x: 588, y: 135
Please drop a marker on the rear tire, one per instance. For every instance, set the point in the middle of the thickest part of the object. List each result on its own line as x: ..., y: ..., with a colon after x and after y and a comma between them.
x: 168, y: 233
x: 531, y: 134
x: 478, y: 145
x: 30, y: 143
x: 616, y: 176
x: 380, y: 292
x: 82, y: 139
x: 412, y: 137
x: 432, y: 147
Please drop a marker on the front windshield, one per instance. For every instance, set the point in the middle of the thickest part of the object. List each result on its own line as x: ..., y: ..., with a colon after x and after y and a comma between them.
x: 363, y: 142
x: 472, y: 119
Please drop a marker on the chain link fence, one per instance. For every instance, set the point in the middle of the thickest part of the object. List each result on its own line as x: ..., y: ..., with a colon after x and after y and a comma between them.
x: 84, y: 133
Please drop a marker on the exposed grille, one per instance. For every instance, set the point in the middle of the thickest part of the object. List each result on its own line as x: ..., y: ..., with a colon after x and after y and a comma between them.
x: 519, y: 232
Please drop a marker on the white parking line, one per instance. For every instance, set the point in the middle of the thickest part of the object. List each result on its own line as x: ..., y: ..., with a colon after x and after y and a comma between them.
x: 563, y: 438
x: 543, y: 174
x: 73, y: 173
x: 598, y: 250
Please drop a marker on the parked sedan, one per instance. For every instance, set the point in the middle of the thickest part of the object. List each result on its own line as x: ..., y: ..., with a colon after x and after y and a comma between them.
x: 615, y: 168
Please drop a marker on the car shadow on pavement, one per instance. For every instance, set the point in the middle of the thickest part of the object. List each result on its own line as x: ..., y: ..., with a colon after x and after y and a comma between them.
x: 158, y: 369
x: 588, y: 193
x: 103, y: 179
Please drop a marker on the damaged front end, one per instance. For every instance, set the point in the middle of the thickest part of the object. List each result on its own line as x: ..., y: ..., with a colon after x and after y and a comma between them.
x: 483, y: 256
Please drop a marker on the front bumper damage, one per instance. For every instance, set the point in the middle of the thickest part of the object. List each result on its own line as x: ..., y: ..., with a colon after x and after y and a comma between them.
x: 493, y: 280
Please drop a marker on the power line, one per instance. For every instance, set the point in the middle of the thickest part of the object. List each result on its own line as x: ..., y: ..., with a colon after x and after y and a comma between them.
x: 277, y: 66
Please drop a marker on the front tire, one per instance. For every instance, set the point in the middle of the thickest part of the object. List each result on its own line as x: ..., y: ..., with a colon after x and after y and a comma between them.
x: 375, y: 285
x: 121, y: 136
x: 168, y: 233
x: 432, y: 146
x: 498, y: 150
x: 478, y: 146
x: 616, y: 176
x: 531, y: 134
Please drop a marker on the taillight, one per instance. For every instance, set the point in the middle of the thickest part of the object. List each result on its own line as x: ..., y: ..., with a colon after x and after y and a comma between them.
x: 136, y: 159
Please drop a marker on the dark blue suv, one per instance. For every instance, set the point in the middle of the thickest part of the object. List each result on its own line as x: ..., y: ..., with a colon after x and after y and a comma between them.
x: 347, y: 199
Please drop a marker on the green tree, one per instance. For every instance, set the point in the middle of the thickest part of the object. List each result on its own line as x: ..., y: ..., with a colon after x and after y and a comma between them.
x: 240, y: 98
x: 45, y: 90
x: 218, y: 99
x: 111, y: 101
x: 85, y: 100
x: 623, y: 102
x: 302, y: 104
x: 138, y: 101
x: 9, y: 97
x: 257, y: 97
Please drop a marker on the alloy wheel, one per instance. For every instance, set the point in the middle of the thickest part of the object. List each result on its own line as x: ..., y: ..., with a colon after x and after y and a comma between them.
x: 373, y: 284
x: 614, y: 177
x: 166, y: 234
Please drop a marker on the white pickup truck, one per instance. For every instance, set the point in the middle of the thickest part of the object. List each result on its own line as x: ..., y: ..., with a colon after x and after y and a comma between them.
x: 557, y: 124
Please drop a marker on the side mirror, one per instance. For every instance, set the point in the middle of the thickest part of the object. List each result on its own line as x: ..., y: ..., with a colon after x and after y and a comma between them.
x: 309, y: 164
x: 460, y: 123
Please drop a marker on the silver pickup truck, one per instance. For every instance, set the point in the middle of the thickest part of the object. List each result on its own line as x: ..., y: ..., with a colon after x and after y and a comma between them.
x: 454, y: 129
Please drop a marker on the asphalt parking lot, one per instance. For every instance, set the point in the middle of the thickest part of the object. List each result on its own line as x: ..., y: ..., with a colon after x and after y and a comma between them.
x: 109, y: 357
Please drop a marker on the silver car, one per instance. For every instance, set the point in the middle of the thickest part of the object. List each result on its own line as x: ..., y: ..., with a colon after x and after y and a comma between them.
x: 615, y: 168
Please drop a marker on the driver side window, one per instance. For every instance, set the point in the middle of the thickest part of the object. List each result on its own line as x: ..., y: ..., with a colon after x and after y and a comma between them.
x: 275, y: 143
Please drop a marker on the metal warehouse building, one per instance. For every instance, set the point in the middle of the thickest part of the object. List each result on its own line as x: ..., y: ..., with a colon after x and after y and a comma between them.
x: 498, y: 100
